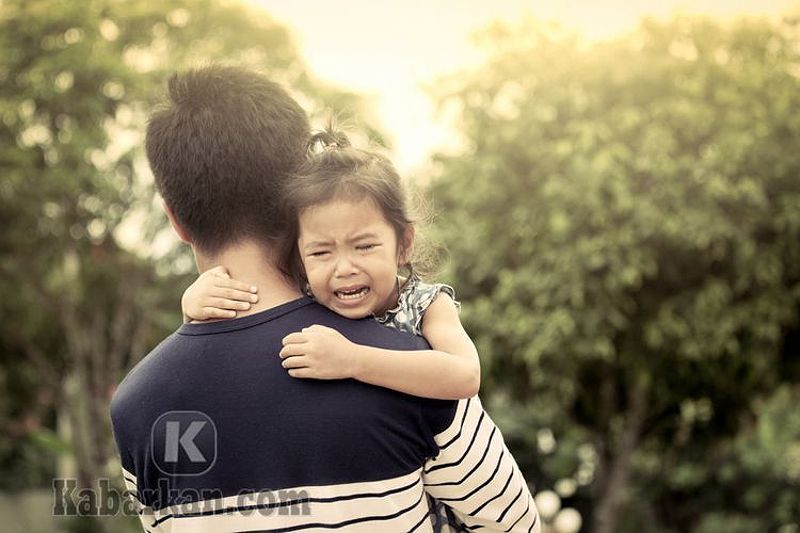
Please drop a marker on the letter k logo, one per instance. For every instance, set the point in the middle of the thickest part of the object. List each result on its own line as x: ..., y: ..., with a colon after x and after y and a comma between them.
x: 184, y: 443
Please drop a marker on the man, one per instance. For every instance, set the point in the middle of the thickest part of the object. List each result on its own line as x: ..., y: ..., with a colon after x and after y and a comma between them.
x: 213, y: 434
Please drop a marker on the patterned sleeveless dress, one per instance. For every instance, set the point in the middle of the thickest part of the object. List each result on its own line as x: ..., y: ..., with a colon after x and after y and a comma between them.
x: 415, y: 298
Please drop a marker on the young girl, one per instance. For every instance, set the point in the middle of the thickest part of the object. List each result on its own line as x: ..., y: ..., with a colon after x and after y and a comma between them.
x: 352, y: 239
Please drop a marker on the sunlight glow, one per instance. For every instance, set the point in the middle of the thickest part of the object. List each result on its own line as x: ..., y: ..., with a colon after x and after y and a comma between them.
x: 389, y: 51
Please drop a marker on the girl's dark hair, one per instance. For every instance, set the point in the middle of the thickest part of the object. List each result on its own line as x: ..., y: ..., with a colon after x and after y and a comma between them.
x: 336, y: 169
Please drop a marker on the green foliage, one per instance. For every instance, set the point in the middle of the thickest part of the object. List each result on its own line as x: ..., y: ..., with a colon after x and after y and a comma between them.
x: 624, y: 228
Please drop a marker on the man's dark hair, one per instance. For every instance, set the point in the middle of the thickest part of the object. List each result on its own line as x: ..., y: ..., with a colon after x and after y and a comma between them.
x: 222, y: 150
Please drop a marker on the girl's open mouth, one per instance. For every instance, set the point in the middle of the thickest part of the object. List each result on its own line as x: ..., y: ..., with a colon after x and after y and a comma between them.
x: 352, y: 294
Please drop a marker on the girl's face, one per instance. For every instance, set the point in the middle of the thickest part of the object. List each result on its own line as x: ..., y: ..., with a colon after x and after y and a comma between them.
x: 350, y: 254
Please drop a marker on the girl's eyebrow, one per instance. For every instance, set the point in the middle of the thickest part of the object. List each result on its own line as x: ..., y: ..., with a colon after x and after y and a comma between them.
x: 316, y: 244
x: 365, y: 235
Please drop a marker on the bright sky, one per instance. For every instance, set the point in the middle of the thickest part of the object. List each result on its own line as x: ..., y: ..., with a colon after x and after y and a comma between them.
x: 388, y: 50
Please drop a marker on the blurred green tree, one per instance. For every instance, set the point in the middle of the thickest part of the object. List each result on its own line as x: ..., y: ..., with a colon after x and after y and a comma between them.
x: 83, y: 297
x: 624, y: 229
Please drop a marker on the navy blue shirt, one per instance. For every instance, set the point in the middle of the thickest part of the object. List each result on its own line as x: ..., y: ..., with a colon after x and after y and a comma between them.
x: 211, y: 414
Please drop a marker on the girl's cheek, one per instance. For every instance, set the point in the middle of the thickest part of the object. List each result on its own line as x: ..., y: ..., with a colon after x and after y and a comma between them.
x: 316, y: 276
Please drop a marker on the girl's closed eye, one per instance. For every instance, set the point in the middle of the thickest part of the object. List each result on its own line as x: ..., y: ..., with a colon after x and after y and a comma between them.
x: 367, y: 247
x: 319, y: 254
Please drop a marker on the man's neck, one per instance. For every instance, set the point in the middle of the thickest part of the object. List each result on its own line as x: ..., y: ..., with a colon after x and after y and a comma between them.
x: 254, y: 264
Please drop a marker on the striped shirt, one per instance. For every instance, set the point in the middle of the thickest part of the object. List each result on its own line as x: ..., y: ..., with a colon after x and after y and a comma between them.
x: 215, y: 436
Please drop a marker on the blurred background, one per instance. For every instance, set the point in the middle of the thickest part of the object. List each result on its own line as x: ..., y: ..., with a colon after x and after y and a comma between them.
x: 618, y: 187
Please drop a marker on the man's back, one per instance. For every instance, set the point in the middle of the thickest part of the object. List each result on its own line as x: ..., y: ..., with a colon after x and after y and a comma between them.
x: 211, y: 420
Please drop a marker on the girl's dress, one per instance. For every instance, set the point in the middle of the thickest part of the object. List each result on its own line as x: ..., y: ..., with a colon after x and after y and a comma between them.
x: 414, y: 299
x: 415, y: 296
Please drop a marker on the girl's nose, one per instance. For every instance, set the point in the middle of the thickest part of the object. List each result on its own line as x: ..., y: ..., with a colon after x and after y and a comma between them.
x: 345, y: 267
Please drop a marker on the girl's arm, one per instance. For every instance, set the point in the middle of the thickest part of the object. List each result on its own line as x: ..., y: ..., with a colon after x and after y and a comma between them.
x: 451, y: 370
x: 215, y: 295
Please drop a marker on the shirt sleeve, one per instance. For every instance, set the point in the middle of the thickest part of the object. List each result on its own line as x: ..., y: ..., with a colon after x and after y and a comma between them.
x: 475, y: 475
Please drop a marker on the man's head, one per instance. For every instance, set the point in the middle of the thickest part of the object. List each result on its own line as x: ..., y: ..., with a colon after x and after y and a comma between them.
x: 221, y: 151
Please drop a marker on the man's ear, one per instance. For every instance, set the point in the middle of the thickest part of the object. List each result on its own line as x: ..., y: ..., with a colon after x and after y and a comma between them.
x: 406, y: 246
x: 182, y: 233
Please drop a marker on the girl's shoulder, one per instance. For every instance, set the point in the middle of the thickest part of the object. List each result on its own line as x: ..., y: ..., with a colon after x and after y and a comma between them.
x: 418, y: 293
x: 415, y: 296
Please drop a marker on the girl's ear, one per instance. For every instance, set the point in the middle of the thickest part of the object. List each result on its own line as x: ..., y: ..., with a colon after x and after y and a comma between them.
x: 406, y: 246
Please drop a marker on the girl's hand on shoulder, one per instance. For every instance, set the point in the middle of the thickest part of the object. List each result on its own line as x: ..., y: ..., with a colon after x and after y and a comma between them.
x: 215, y: 295
x: 318, y: 352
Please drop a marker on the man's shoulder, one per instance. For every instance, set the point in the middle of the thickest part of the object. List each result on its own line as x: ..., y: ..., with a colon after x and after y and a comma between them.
x: 146, y: 374
x: 137, y: 379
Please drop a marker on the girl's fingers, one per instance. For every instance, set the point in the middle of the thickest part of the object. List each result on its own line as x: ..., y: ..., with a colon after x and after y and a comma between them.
x: 223, y: 303
x: 227, y: 283
x: 301, y: 373
x: 297, y: 361
x: 294, y: 338
x: 292, y: 350
x: 234, y: 294
x: 214, y: 312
